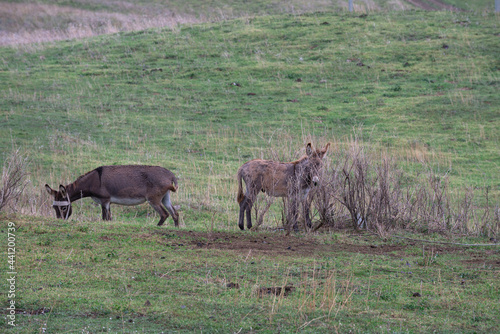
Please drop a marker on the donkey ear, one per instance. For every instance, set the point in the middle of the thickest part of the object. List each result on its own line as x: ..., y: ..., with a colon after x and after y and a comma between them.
x: 50, y: 190
x: 324, y: 150
x: 62, y: 190
x: 309, y: 150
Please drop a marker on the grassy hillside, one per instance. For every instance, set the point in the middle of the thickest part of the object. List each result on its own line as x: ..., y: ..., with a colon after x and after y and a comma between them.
x: 27, y: 21
x: 201, y: 100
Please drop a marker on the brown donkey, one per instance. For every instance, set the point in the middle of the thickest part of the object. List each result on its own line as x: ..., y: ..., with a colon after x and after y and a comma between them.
x: 280, y: 179
x: 124, y: 185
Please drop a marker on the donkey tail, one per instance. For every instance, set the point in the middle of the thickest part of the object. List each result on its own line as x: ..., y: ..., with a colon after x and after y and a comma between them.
x: 240, y: 195
x: 174, y: 186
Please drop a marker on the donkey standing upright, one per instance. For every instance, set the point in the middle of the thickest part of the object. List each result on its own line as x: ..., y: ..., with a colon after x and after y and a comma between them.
x: 124, y: 185
x: 280, y: 179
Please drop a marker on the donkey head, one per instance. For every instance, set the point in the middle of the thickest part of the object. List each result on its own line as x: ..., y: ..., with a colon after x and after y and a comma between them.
x: 62, y: 203
x: 313, y: 164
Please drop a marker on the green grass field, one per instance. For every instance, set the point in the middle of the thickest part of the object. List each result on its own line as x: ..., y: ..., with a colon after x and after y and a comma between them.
x: 201, y: 99
x: 128, y: 277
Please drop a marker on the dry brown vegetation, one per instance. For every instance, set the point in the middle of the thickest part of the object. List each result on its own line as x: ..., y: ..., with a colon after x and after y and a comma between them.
x: 369, y: 189
x: 36, y: 23
x: 14, y: 179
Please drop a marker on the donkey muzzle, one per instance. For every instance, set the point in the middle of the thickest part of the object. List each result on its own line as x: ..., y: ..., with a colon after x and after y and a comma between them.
x: 315, y: 180
x: 63, y: 204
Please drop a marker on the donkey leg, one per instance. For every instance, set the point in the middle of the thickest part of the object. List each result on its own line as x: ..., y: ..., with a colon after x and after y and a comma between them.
x: 156, y: 204
x: 307, y: 215
x: 170, y: 208
x: 249, y: 213
x: 106, y: 211
x: 307, y: 203
x: 241, y: 221
x: 294, y: 215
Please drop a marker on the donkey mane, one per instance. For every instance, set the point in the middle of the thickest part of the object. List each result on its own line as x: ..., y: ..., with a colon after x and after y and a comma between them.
x: 81, y: 177
x: 295, y: 162
x: 298, y: 161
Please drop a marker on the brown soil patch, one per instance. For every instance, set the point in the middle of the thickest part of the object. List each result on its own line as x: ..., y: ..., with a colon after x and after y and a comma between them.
x: 487, y: 258
x: 280, y: 244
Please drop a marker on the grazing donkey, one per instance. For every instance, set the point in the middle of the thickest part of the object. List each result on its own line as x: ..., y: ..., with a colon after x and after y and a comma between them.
x: 124, y: 185
x: 278, y: 179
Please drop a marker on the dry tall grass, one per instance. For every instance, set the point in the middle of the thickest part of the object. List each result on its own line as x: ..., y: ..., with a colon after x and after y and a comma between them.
x: 31, y: 22
x: 14, y: 179
x: 26, y: 23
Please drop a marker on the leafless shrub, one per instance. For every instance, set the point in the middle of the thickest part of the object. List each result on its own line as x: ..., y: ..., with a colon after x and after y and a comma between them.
x: 354, y: 183
x: 494, y: 228
x: 492, y: 221
x: 293, y: 205
x: 14, y: 179
x: 297, y: 204
x: 372, y: 190
x: 260, y: 207
x: 328, y: 210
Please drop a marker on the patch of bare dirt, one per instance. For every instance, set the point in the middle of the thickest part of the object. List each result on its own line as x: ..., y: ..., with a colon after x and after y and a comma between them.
x: 483, y: 259
x: 278, y: 244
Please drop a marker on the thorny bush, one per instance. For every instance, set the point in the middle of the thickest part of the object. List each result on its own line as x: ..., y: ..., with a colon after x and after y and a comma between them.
x: 367, y: 189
